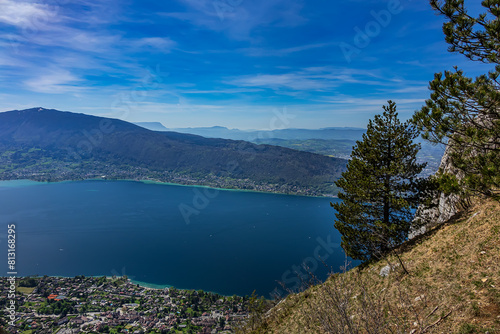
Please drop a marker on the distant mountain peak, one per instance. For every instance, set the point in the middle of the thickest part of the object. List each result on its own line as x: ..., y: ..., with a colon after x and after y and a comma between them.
x: 154, y: 126
x: 342, y: 128
x: 36, y: 109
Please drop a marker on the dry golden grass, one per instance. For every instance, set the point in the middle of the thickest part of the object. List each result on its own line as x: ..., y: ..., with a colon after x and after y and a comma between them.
x: 453, y: 287
x: 25, y: 290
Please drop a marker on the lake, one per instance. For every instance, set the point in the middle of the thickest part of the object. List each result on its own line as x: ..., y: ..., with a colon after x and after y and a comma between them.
x: 230, y: 242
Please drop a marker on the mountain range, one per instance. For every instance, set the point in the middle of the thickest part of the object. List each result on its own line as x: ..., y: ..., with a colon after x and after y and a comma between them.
x: 47, y: 144
x: 331, y: 141
x: 331, y: 133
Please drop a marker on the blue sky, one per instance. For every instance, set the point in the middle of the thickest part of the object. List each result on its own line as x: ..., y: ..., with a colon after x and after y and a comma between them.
x: 259, y: 64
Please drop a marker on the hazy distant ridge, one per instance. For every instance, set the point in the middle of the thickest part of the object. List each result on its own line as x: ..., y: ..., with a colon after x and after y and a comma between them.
x: 250, y: 135
x: 154, y: 126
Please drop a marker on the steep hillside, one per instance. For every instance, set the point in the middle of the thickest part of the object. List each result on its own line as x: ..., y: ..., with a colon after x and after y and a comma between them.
x: 54, y: 145
x: 453, y: 286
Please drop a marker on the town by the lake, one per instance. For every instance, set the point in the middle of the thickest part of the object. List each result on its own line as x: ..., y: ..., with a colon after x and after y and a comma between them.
x: 82, y: 304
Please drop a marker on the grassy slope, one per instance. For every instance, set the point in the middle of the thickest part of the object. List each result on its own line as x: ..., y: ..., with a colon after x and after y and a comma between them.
x: 453, y: 287
x: 25, y: 290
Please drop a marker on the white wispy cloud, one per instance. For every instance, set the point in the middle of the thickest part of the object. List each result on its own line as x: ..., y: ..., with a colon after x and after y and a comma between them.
x: 423, y: 88
x: 295, y: 81
x: 368, y: 102
x: 222, y: 91
x: 267, y: 52
x: 54, y: 81
x: 239, y: 18
x: 163, y: 44
x: 312, y: 78
x: 65, y: 44
x: 27, y: 15
x: 73, y: 39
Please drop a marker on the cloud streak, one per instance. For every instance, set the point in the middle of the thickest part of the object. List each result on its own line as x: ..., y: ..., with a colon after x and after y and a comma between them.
x: 55, y: 81
x: 24, y: 14
x: 239, y: 19
x: 311, y: 79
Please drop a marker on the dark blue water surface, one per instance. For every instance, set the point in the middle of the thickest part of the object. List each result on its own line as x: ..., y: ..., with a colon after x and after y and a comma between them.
x: 230, y: 242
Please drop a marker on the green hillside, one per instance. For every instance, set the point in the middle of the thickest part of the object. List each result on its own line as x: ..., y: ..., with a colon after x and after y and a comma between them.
x: 52, y: 145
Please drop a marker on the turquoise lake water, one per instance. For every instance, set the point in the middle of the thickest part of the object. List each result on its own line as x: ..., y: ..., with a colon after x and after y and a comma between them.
x: 230, y: 242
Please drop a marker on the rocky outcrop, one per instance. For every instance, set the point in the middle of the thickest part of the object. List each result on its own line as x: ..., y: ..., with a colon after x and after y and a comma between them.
x: 446, y: 206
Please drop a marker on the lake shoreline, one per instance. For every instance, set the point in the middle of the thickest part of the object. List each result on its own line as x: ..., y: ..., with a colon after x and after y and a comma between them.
x: 145, y: 285
x: 28, y: 182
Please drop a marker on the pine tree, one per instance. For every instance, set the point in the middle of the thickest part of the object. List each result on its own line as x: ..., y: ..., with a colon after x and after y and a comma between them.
x: 380, y: 188
x: 463, y: 112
